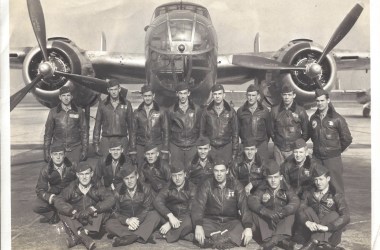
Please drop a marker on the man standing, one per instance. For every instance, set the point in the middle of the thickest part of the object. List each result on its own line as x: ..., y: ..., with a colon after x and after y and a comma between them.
x: 289, y: 122
x: 274, y: 208
x: 331, y: 136
x: 297, y: 168
x: 174, y: 204
x: 134, y: 219
x: 150, y: 125
x: 202, y: 163
x: 323, y: 213
x: 83, y: 207
x: 184, y: 118
x: 66, y: 124
x: 220, y: 211
x: 155, y: 171
x: 52, y: 180
x: 114, y: 119
x: 219, y: 123
x: 250, y: 171
x: 254, y: 121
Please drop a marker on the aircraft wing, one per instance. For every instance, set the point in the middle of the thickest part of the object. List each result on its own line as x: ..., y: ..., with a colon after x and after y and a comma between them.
x: 17, y: 56
x: 349, y: 60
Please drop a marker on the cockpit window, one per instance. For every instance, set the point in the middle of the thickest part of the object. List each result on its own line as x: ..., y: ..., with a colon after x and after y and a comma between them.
x: 163, y: 9
x: 181, y: 30
x: 160, y: 38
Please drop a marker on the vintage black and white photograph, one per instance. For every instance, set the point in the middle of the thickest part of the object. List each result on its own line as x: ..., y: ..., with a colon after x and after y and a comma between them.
x: 190, y: 124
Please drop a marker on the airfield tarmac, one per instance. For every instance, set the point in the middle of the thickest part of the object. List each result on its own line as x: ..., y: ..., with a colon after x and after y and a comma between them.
x: 27, y: 128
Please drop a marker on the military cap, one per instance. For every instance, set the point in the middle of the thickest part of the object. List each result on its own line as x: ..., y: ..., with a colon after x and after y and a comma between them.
x: 126, y: 169
x: 318, y: 169
x: 220, y: 161
x: 299, y: 143
x: 287, y: 88
x: 146, y: 88
x: 113, y: 83
x: 253, y: 87
x: 83, y: 166
x: 64, y: 90
x: 57, y: 147
x: 115, y: 142
x: 250, y: 142
x: 319, y: 92
x: 177, y: 166
x: 217, y: 87
x: 182, y: 86
x: 271, y: 167
x: 202, y: 141
x: 149, y: 146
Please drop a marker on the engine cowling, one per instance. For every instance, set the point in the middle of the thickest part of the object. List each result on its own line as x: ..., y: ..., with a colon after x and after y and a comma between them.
x: 65, y: 56
x: 301, y: 52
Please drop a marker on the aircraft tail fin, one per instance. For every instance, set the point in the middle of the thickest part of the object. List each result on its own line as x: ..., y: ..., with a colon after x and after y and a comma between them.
x: 103, y: 42
x: 256, y: 45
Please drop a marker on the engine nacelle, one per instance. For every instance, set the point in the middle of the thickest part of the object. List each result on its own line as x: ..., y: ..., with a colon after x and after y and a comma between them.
x: 65, y: 56
x: 301, y: 52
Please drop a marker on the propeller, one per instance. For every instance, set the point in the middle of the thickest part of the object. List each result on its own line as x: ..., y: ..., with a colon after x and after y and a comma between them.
x: 19, y: 95
x: 312, y: 69
x: 37, y: 19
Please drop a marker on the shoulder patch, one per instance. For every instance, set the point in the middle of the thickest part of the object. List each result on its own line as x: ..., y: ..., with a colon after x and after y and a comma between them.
x: 314, y: 123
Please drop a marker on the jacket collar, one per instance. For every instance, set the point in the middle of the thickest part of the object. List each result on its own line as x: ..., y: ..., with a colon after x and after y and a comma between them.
x: 66, y: 162
x: 196, y: 159
x: 330, y: 111
x: 139, y: 188
x: 331, y: 190
x: 155, y: 106
x: 306, y: 164
x: 292, y: 107
x: 185, y: 187
x: 121, y: 100
x: 258, y: 161
x: 176, y: 105
x: 246, y: 107
x: 73, y: 107
x: 226, y: 106
x: 108, y: 160
x: 229, y: 183
x: 156, y: 164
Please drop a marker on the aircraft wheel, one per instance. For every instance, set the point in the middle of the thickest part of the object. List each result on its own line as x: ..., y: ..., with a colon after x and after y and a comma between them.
x: 366, y: 112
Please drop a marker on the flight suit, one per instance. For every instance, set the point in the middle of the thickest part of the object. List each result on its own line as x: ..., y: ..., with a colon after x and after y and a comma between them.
x: 247, y: 171
x: 197, y: 173
x: 157, y: 175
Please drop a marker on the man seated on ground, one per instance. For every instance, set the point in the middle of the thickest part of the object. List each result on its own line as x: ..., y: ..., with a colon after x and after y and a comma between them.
x: 83, y: 207
x: 298, y: 167
x: 249, y: 170
x: 155, y: 171
x: 110, y: 165
x: 173, y: 203
x: 274, y: 208
x: 324, y: 213
x: 53, y: 178
x: 134, y: 219
x: 201, y: 165
x: 220, y: 211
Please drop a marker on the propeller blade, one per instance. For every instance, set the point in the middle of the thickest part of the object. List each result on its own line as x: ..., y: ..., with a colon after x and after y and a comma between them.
x: 19, y: 95
x: 92, y: 83
x: 342, y: 30
x: 257, y: 62
x: 38, y: 22
x: 317, y: 82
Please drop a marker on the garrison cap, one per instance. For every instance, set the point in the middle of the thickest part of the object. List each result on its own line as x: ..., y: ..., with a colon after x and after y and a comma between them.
x: 287, y: 88
x: 299, y: 143
x: 146, y: 88
x: 177, y: 166
x: 250, y: 142
x: 83, y: 166
x: 182, y: 86
x: 318, y: 169
x: 202, y: 141
x: 253, y: 87
x: 57, y: 147
x: 126, y: 169
x: 319, y: 92
x: 113, y: 83
x: 220, y: 161
x: 115, y: 142
x: 217, y: 87
x: 271, y: 167
x: 149, y: 146
x: 64, y: 90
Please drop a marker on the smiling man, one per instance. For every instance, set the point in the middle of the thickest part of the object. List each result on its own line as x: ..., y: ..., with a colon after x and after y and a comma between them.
x: 113, y: 119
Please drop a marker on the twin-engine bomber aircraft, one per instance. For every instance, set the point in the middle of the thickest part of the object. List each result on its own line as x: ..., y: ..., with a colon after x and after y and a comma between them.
x: 180, y: 45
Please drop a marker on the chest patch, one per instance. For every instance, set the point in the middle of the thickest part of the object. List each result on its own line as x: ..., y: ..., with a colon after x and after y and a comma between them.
x: 74, y: 116
x: 155, y: 115
x: 314, y: 124
x: 330, y: 202
x: 295, y: 115
x: 266, y: 197
x: 331, y: 123
x: 230, y: 194
x: 306, y: 172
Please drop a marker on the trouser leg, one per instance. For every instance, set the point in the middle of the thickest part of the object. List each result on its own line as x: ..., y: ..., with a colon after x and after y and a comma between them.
x: 73, y: 224
x: 140, y: 155
x: 149, y: 224
x: 43, y: 208
x: 262, y: 150
x: 74, y: 153
x: 186, y: 227
x: 284, y: 226
x: 224, y: 152
x: 280, y: 155
x: 184, y: 155
x: 235, y: 229
x: 335, y: 167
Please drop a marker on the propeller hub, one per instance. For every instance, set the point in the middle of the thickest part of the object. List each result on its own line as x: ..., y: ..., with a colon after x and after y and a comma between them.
x: 46, y: 69
x: 313, y: 70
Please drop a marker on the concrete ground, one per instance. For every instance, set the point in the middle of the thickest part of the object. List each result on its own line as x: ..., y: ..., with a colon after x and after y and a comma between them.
x: 27, y: 124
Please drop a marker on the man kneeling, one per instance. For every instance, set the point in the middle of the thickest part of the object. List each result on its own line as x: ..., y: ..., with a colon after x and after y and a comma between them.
x: 134, y: 219
x: 216, y: 211
x: 173, y: 203
x: 83, y: 207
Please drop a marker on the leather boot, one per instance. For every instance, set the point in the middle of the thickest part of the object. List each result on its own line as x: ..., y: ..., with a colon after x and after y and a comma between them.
x: 72, y: 239
x: 311, y: 245
x: 123, y: 241
x: 87, y: 241
x: 286, y: 244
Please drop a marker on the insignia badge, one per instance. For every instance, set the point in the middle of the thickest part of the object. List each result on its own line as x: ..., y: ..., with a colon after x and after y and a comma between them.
x: 227, y: 115
x: 257, y: 170
x: 191, y: 114
x: 230, y: 194
x: 266, y: 197
x: 314, y: 123
x: 306, y: 172
x: 74, y: 115
x: 155, y: 115
x: 330, y: 202
x: 295, y: 115
x: 331, y: 123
